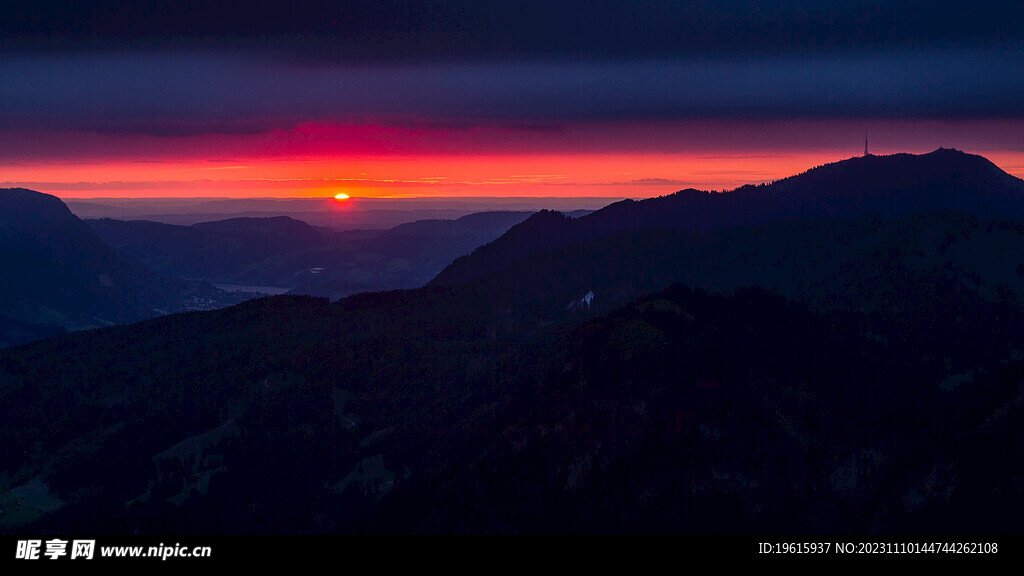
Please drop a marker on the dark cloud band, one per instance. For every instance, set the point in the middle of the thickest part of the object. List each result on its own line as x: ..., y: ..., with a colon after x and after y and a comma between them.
x: 412, y: 30
x: 175, y: 94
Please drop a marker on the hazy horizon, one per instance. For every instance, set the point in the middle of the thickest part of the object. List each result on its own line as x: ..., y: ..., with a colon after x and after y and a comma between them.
x: 354, y: 213
x: 583, y: 177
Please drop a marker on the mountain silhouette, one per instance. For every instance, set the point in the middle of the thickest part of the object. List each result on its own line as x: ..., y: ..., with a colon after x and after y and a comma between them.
x: 858, y: 373
x: 870, y: 185
x: 294, y: 234
x: 58, y: 275
x: 288, y: 253
x: 406, y: 256
x: 236, y: 250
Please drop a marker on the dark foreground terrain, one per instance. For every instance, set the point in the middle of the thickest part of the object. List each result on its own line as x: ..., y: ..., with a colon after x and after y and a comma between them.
x: 845, y: 358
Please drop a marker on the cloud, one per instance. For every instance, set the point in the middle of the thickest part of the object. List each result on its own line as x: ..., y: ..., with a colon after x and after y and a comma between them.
x: 242, y: 184
x: 171, y: 94
x: 658, y: 182
x: 416, y: 30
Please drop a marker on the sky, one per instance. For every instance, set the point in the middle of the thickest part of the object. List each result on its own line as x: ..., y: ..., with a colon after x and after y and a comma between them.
x: 394, y: 98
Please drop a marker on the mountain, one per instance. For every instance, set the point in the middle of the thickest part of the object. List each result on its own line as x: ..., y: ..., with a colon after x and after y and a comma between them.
x: 290, y: 254
x: 899, y: 275
x: 285, y: 232
x: 870, y: 185
x: 406, y: 256
x: 855, y: 374
x: 258, y: 251
x: 58, y: 275
x: 413, y: 412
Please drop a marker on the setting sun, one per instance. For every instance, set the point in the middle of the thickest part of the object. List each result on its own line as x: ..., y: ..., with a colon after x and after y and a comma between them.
x: 341, y: 196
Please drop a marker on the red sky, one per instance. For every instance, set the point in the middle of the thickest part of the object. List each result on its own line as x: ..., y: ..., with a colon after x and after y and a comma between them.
x: 615, y: 159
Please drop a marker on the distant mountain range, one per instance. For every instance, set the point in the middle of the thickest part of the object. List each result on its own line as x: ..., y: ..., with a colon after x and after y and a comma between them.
x: 287, y: 253
x: 360, y: 213
x: 847, y: 358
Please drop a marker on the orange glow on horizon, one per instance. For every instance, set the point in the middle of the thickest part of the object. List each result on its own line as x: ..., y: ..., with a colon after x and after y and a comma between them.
x: 315, y: 161
x: 622, y: 175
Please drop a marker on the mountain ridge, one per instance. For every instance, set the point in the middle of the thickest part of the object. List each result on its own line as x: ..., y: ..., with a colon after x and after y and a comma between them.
x: 892, y: 185
x: 292, y: 254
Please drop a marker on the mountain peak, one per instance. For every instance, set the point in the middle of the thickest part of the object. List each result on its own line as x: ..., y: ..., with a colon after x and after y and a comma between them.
x: 949, y: 152
x: 24, y: 209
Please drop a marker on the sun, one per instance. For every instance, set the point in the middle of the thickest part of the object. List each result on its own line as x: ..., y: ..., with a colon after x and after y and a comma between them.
x: 341, y: 196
